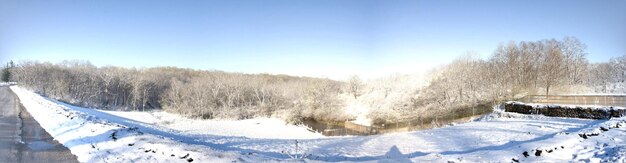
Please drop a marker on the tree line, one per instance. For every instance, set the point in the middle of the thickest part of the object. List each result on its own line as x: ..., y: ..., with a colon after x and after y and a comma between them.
x: 513, y: 70
x: 193, y: 93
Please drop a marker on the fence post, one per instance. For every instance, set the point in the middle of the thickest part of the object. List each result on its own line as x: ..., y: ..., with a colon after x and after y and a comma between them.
x: 473, y: 110
x: 613, y: 100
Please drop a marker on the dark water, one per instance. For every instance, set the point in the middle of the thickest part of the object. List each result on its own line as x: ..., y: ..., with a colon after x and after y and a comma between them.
x: 349, y: 128
x: 332, y: 128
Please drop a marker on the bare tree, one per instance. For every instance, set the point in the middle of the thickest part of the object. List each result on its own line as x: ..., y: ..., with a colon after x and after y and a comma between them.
x: 603, y: 74
x: 575, y: 61
x: 553, y: 65
x: 354, y: 86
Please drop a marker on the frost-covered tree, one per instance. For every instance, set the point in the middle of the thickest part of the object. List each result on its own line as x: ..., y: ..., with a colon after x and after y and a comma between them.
x: 553, y: 65
x: 354, y: 86
x: 573, y: 50
x: 603, y: 74
x: 203, y: 94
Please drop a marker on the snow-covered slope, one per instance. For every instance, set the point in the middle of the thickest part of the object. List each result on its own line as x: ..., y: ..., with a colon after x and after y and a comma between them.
x: 499, y: 137
x: 269, y: 128
x: 95, y: 139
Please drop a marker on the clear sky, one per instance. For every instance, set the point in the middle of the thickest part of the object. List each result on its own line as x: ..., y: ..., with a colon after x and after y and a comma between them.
x: 332, y: 38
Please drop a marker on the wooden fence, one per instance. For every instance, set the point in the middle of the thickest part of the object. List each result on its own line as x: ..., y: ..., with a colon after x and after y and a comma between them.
x: 602, y: 100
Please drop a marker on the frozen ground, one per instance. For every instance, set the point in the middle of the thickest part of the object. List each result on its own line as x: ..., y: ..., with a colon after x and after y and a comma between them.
x: 105, y: 136
x: 251, y: 128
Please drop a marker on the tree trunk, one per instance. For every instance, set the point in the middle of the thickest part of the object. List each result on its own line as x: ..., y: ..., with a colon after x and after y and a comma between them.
x: 547, y: 93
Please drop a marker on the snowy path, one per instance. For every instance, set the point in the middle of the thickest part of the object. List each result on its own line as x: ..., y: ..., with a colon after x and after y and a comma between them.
x: 501, y: 137
x: 22, y: 139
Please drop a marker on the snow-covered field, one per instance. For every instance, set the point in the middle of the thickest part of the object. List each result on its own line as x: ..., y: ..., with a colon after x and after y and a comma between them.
x: 110, y: 136
x: 251, y: 128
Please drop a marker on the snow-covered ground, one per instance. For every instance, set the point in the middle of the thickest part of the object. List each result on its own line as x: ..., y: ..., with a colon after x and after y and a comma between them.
x: 269, y: 128
x: 7, y: 83
x: 108, y: 136
x: 95, y: 139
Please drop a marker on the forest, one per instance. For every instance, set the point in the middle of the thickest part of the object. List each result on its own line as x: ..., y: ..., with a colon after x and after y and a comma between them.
x: 513, y: 70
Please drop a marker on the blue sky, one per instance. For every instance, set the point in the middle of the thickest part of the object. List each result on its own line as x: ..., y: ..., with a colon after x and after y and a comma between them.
x: 312, y: 38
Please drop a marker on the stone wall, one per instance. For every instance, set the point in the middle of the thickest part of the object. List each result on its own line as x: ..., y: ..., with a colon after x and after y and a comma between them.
x: 588, y: 112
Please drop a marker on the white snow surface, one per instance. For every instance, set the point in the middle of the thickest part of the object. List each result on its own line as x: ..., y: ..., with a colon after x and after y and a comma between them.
x: 497, y: 137
x: 7, y: 83
x: 269, y: 128
x: 360, y: 112
x: 95, y: 139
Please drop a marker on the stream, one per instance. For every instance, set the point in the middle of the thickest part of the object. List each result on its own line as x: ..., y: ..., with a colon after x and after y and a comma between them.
x: 345, y: 128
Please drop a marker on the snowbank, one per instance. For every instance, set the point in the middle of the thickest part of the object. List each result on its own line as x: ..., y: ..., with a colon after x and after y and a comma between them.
x: 93, y: 139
